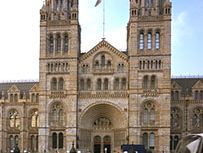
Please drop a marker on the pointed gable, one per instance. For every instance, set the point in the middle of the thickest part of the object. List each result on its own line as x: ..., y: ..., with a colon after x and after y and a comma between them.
x: 13, y: 89
x: 175, y: 86
x: 198, y: 85
x: 35, y: 88
x: 104, y: 46
x: 103, y: 59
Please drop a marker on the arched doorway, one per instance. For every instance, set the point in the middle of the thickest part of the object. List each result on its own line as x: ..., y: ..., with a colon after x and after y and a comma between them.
x: 107, y: 144
x: 97, y: 144
x: 102, y: 146
x: 103, y: 127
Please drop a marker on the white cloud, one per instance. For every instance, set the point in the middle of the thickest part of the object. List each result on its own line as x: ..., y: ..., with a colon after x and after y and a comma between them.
x: 19, y: 39
x: 91, y: 21
x: 91, y: 24
x: 178, y: 25
x: 181, y: 29
x: 117, y: 37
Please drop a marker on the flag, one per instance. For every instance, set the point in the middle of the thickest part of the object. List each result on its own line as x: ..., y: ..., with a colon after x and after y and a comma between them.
x: 98, y: 2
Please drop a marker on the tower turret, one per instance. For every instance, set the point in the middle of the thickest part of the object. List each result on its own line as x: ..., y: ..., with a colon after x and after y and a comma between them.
x: 141, y: 8
x: 59, y: 51
x: 149, y: 50
x: 61, y: 9
x: 59, y: 28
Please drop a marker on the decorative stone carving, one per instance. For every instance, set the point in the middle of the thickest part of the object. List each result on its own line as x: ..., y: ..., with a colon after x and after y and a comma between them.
x: 102, y: 123
x: 175, y: 118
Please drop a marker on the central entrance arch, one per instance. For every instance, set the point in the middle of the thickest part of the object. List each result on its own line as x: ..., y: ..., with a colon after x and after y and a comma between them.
x: 102, y: 128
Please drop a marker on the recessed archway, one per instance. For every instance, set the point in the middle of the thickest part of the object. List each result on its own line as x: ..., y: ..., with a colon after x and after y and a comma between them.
x: 102, y: 120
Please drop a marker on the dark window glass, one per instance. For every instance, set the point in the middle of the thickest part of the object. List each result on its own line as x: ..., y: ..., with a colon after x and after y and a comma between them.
x: 60, y: 140
x: 106, y: 84
x: 99, y: 82
x: 54, y: 140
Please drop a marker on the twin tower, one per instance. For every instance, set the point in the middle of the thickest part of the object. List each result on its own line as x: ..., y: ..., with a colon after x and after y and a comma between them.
x: 105, y: 97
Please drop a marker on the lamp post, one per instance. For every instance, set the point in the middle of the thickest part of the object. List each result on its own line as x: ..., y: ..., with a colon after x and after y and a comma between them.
x: 73, y: 150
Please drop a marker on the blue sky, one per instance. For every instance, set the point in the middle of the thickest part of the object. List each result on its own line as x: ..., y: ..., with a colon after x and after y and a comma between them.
x: 19, y: 59
x: 187, y: 41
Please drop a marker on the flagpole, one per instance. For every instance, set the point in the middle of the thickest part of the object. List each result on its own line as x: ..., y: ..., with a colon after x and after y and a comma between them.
x: 103, y: 19
x: 103, y: 12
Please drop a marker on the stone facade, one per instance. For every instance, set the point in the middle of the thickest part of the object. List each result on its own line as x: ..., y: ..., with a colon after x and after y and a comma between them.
x: 102, y: 98
x: 186, y: 108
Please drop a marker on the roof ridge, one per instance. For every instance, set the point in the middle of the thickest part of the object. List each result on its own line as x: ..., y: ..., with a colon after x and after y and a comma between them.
x: 187, y: 77
x: 19, y: 81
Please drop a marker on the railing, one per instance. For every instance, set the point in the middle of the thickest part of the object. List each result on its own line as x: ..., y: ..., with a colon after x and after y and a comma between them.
x: 103, y: 94
x: 150, y: 92
x: 149, y: 123
x: 57, y: 94
x: 103, y: 70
